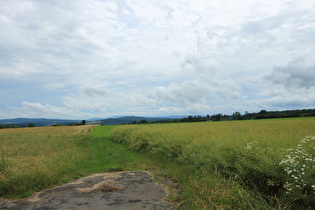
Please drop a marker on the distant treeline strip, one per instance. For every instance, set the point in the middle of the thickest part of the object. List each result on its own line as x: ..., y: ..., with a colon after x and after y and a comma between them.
x: 263, y: 114
x: 8, y: 126
x: 22, y: 125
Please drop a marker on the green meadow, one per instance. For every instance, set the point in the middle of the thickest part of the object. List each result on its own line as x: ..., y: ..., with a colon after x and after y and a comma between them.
x: 253, y: 164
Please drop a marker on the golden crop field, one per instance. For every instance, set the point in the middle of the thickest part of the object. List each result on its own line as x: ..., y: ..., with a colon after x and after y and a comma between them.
x: 32, y: 159
x: 209, y: 136
x: 273, y: 157
x: 253, y: 164
x: 39, y: 155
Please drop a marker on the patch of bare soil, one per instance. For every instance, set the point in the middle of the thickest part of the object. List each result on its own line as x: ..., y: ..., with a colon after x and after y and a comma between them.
x: 119, y: 190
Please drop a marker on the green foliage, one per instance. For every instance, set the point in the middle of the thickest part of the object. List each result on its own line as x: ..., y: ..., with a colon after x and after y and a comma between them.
x: 75, y: 124
x: 2, y: 126
x: 211, y: 191
x: 263, y: 114
x: 244, y: 152
x: 31, y: 125
x: 237, y: 116
x: 110, y: 156
x: 59, y: 124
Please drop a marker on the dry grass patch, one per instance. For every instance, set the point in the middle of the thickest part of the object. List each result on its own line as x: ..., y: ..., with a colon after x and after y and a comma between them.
x: 36, y: 157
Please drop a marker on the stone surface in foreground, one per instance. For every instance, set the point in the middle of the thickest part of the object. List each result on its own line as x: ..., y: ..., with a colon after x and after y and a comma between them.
x: 120, y: 190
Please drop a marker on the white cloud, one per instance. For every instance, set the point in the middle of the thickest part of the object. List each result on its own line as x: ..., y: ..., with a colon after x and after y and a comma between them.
x: 107, y: 103
x: 291, y: 85
x: 295, y: 74
x: 94, y: 92
x: 37, y: 110
x: 84, y: 104
x: 283, y: 99
x: 184, y: 94
x: 202, y: 89
x: 108, y: 57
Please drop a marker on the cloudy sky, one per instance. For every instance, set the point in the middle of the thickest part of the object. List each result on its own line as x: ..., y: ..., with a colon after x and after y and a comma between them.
x: 79, y: 59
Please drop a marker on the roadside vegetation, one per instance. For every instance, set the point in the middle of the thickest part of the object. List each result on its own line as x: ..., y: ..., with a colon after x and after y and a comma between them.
x: 256, y: 164
x: 32, y: 159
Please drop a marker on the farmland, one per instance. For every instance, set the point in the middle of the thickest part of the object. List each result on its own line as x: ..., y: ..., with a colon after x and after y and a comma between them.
x: 252, y: 164
x: 32, y: 159
x: 233, y: 164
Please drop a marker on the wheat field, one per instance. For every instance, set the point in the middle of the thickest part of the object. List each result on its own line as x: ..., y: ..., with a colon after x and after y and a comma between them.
x: 39, y: 156
x: 244, y: 154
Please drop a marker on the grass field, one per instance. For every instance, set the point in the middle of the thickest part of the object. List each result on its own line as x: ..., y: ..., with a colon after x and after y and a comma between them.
x: 233, y: 164
x: 32, y: 159
x: 255, y: 164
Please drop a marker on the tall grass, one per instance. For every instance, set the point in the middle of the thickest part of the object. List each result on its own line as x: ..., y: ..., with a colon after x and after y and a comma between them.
x: 242, y: 156
x: 32, y: 159
x: 38, y: 157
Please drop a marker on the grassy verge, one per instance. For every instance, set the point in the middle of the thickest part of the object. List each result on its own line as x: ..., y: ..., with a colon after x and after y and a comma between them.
x: 236, y: 164
x: 106, y: 155
x: 33, y: 159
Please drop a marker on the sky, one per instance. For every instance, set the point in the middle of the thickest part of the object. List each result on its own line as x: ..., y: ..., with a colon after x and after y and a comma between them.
x: 82, y: 59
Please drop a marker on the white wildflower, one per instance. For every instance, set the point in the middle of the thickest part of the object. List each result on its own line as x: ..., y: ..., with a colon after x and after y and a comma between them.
x: 298, y: 165
x: 249, y: 146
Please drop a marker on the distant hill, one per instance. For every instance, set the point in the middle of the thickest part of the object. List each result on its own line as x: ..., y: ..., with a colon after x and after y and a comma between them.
x: 39, y: 122
x: 127, y: 120
x: 119, y: 120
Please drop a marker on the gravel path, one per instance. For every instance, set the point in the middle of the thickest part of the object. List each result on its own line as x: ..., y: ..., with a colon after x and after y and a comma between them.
x: 120, y: 190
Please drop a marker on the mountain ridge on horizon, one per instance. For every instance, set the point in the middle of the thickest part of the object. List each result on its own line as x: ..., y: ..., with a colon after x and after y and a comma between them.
x: 42, y: 122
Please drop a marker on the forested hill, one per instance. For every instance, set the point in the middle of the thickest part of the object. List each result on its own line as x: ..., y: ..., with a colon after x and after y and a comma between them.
x: 263, y: 114
x: 40, y: 122
x: 31, y: 122
x: 129, y: 120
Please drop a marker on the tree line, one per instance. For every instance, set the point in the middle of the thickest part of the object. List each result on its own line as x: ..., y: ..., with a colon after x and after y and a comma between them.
x: 263, y: 114
x: 8, y: 126
x: 2, y: 126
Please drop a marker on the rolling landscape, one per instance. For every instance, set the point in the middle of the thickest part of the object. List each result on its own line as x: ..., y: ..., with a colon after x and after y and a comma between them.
x: 209, y: 103
x: 254, y: 164
x: 42, y: 122
x: 263, y: 114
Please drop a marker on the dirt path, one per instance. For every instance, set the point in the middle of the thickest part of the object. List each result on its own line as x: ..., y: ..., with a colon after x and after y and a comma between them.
x: 120, y: 190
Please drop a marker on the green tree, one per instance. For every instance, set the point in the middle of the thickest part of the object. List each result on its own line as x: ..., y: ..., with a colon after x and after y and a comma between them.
x: 236, y: 116
x: 83, y: 122
x: 263, y: 112
x: 143, y: 122
x: 216, y: 117
x: 190, y: 118
x: 31, y: 125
